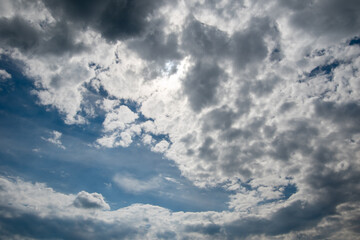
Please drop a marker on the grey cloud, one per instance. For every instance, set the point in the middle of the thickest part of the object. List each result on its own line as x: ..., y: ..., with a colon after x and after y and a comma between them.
x: 18, y: 33
x: 296, y: 139
x: 201, y: 84
x: 232, y: 134
x: 60, y: 39
x: 233, y: 162
x: 248, y: 46
x: 218, y: 119
x: 346, y: 115
x: 114, y: 19
x: 207, y: 151
x: 334, y: 18
x: 226, y: 10
x: 202, y: 40
x: 56, y: 40
x: 296, y: 5
x: 250, y: 130
x: 156, y: 46
x: 332, y: 188
x: 264, y: 87
x: 90, y: 201
x: 166, y: 235
x: 286, y: 106
x: 26, y: 225
x: 297, y: 216
x: 245, y: 47
x: 276, y: 54
x: 269, y: 131
x: 207, y: 229
x: 243, y: 103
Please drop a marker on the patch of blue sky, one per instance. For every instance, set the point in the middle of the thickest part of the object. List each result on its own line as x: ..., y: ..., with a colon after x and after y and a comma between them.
x: 287, y: 192
x: 24, y: 153
x: 325, y: 69
x: 354, y: 41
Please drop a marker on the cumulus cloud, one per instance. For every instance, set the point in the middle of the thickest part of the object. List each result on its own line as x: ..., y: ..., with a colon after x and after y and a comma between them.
x: 161, y: 146
x: 248, y: 96
x: 90, y: 201
x: 35, y: 204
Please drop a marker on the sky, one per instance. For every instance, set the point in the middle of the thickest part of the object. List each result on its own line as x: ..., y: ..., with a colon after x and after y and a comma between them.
x: 184, y: 119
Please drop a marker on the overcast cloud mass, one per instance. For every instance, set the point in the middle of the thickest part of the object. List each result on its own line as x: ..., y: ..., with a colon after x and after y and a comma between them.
x: 188, y: 119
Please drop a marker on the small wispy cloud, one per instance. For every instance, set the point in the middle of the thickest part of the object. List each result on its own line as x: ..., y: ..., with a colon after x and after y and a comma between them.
x: 134, y: 185
x: 55, y: 139
x: 4, y: 75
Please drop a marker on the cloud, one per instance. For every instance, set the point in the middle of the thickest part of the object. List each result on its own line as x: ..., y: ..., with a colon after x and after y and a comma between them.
x: 118, y: 118
x: 161, y: 146
x: 202, y: 40
x: 156, y: 46
x: 19, y: 33
x: 26, y: 206
x: 134, y: 185
x: 4, y: 75
x: 90, y: 201
x: 55, y: 139
x: 201, y: 84
x: 344, y: 25
x: 112, y: 18
x: 252, y: 96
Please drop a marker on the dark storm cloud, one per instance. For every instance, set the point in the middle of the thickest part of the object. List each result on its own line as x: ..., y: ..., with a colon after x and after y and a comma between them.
x: 333, y: 18
x: 18, y: 33
x: 114, y: 19
x: 15, y: 224
x: 201, y: 84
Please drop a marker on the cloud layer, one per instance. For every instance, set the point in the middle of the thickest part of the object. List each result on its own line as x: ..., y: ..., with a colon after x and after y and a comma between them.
x: 258, y: 98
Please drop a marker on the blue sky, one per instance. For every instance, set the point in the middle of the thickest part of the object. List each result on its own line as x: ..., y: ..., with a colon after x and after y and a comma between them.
x: 184, y: 120
x: 25, y: 126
